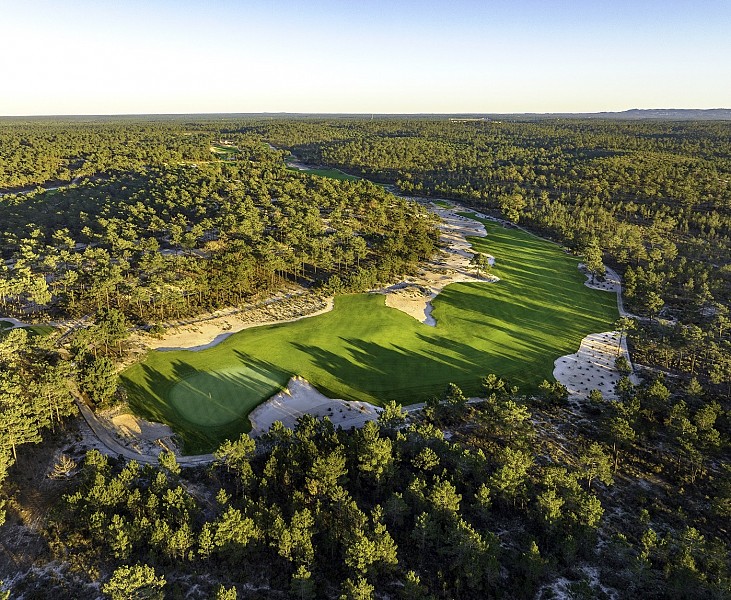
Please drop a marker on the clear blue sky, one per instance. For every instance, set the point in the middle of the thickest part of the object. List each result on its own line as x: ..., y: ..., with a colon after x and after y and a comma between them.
x: 165, y: 56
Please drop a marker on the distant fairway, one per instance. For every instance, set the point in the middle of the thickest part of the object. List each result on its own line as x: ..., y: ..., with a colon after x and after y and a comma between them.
x: 42, y: 330
x: 364, y: 350
x: 331, y: 173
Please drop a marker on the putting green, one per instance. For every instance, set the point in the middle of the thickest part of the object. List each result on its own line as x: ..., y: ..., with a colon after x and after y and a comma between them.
x: 363, y: 350
x: 212, y: 399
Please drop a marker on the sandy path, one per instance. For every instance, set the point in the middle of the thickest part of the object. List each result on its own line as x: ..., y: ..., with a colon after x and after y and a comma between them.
x: 414, y: 295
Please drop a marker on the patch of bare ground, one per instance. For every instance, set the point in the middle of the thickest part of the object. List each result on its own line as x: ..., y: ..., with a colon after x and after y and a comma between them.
x: 32, y: 493
x: 137, y: 434
x: 451, y: 264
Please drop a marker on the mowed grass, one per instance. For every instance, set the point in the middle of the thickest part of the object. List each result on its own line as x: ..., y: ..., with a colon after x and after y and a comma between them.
x: 331, y: 173
x: 219, y: 149
x: 42, y: 330
x: 364, y: 350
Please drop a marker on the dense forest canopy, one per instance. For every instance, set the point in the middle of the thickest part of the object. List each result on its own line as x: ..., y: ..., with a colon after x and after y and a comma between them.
x: 164, y: 237
x: 131, y: 222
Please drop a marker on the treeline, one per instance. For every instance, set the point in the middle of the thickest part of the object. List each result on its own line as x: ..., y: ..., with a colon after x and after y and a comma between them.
x: 168, y: 241
x: 499, y: 510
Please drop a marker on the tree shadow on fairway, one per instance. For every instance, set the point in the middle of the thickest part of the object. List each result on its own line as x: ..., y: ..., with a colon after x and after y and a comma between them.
x: 203, y: 407
x: 379, y: 373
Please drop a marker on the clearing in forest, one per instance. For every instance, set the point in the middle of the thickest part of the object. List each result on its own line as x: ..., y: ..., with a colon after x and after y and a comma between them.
x: 363, y: 350
x: 331, y: 173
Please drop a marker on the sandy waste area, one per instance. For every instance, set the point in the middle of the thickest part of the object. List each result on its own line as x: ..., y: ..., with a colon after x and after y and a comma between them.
x: 137, y: 434
x: 212, y: 329
x: 414, y: 295
x: 592, y: 366
x: 300, y: 398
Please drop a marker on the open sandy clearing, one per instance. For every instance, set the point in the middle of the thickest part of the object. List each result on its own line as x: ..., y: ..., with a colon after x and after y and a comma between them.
x: 137, y: 434
x: 300, y: 398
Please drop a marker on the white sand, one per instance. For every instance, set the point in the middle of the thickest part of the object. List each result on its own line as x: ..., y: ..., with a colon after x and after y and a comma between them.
x: 592, y: 367
x: 612, y: 282
x: 300, y: 398
x: 414, y: 295
x: 214, y: 329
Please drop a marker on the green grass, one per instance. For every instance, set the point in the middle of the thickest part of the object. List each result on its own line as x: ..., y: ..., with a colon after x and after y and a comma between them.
x: 42, y: 330
x: 442, y: 203
x: 331, y: 173
x: 219, y: 149
x: 364, y: 350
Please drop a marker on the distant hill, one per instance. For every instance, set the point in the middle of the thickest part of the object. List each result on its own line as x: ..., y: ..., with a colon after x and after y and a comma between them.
x: 671, y: 114
x: 656, y: 114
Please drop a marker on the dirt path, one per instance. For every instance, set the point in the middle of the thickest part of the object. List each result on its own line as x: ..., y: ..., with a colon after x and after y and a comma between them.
x: 112, y: 447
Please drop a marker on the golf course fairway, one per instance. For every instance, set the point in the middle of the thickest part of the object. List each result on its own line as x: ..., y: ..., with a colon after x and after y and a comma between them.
x: 363, y: 350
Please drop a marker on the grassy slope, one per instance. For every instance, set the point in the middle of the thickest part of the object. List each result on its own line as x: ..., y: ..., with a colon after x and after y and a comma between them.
x: 363, y: 350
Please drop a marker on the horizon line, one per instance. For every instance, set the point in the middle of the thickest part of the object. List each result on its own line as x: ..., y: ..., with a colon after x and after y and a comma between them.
x: 364, y: 114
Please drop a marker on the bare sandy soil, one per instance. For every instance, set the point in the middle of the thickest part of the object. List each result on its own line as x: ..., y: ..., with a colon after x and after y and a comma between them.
x: 592, y: 366
x: 414, y: 295
x: 137, y: 434
x: 209, y: 330
x: 300, y: 398
x: 611, y: 281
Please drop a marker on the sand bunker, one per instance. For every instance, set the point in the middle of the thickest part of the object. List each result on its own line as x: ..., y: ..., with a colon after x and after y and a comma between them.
x: 414, y: 295
x: 216, y: 327
x: 139, y: 435
x: 592, y: 367
x: 611, y: 281
x: 300, y: 398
